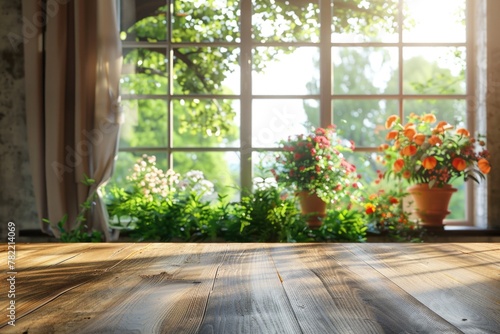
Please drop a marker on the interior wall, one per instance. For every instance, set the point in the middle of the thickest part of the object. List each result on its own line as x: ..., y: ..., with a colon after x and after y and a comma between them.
x: 17, y: 201
x: 493, y: 110
x: 16, y: 191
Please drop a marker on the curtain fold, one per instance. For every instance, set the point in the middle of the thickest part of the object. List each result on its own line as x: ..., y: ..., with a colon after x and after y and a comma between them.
x: 72, y: 65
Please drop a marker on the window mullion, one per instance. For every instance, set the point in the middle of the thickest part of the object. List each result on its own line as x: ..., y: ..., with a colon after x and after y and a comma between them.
x: 325, y: 74
x: 246, y: 95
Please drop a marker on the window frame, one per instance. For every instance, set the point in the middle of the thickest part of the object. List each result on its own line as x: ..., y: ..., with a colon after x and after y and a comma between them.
x: 325, y: 96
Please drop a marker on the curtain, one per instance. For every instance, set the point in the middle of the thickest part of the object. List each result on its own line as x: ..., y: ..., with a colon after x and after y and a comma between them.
x: 73, y: 61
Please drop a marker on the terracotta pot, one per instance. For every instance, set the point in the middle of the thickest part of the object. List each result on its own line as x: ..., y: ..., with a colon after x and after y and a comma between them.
x: 313, y: 207
x: 431, y: 204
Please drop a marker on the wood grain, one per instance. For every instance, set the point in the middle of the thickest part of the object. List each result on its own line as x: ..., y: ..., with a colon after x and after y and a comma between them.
x: 256, y: 288
x: 247, y: 296
x: 409, y: 267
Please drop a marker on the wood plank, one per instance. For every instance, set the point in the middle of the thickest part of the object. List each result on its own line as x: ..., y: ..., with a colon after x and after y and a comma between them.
x: 186, y: 314
x: 247, y: 296
x: 465, y: 268
x: 256, y: 288
x: 484, y: 258
x: 140, y: 294
x: 319, y: 305
x: 361, y: 299
x: 40, y: 285
x: 29, y: 257
x: 461, y: 305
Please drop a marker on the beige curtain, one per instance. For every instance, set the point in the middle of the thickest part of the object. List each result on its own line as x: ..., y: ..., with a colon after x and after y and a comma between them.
x: 72, y: 65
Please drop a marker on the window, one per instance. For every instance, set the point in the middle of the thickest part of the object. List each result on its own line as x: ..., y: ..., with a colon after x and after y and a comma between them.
x: 214, y: 84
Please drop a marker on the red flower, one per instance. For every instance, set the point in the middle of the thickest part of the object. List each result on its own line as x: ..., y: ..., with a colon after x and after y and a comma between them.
x: 370, y: 208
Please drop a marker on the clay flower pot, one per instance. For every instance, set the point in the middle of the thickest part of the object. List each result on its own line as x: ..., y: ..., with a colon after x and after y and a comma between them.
x: 313, y: 207
x: 431, y: 204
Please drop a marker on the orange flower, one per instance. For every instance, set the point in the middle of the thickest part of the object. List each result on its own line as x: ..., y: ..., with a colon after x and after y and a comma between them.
x: 429, y: 163
x: 463, y: 132
x: 390, y: 121
x: 484, y: 166
x: 409, y: 150
x: 442, y: 127
x: 397, y: 144
x: 398, y: 165
x: 383, y: 147
x: 435, y: 140
x: 410, y: 132
x: 419, y: 139
x: 409, y: 125
x: 429, y: 118
x: 392, y: 135
x: 406, y: 174
x: 459, y: 164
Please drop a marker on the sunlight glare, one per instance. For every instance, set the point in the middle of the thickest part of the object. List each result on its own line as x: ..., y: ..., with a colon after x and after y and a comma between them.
x: 434, y: 21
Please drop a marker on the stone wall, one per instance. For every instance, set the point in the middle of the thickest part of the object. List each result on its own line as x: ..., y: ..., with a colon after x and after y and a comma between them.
x: 17, y: 201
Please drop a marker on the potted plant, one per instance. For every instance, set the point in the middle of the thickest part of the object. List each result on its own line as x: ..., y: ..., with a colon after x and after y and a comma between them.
x: 313, y: 166
x: 430, y: 155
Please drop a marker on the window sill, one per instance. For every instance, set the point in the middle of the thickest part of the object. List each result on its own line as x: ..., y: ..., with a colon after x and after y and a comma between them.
x: 451, y: 234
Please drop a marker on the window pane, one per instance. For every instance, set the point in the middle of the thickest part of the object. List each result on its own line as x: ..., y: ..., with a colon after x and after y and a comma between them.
x: 285, y: 71
x: 125, y: 162
x: 363, y: 120
x: 220, y: 168
x: 458, y: 202
x: 143, y: 20
x: 145, y: 123
x: 434, y: 70
x: 262, y: 163
x: 205, y: 70
x: 370, y: 70
x: 365, y: 21
x: 285, y: 21
x: 206, y: 123
x: 434, y: 21
x: 451, y: 110
x: 274, y: 120
x: 205, y: 21
x: 144, y: 71
x: 367, y: 165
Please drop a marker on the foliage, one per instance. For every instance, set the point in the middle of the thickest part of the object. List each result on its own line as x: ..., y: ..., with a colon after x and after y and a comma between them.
x: 80, y: 233
x: 436, y: 155
x: 345, y: 225
x: 315, y: 163
x: 203, y: 70
x: 266, y: 215
x: 385, y: 213
x: 164, y: 206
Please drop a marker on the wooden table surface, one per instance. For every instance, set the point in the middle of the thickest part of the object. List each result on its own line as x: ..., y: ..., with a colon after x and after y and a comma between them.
x: 254, y: 288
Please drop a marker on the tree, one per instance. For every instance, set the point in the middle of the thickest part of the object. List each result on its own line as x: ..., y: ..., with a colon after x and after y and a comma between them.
x: 203, y: 70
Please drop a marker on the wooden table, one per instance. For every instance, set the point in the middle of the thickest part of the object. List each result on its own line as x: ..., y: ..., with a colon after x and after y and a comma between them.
x: 254, y: 288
